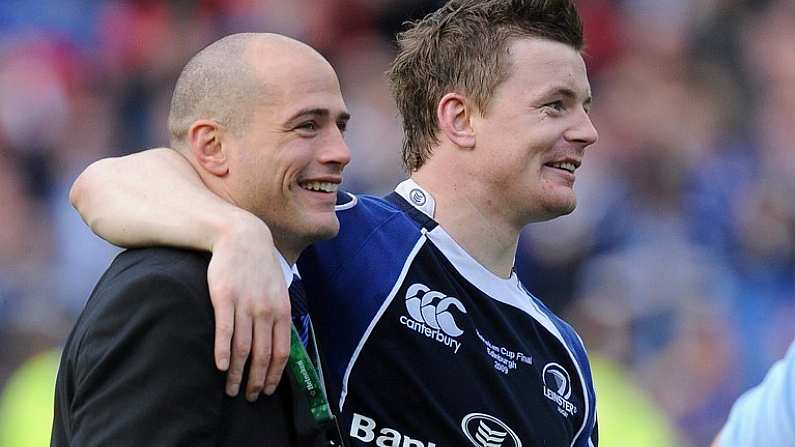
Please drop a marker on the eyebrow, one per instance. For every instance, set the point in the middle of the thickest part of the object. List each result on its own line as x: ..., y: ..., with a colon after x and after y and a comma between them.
x: 570, y: 94
x: 318, y: 112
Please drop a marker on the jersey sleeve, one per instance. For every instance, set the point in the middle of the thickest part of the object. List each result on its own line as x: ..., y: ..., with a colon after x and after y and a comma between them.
x: 590, y: 435
x: 765, y: 415
x: 146, y: 369
x: 348, y: 277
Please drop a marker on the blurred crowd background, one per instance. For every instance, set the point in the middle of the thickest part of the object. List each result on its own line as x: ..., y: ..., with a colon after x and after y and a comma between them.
x: 677, y: 268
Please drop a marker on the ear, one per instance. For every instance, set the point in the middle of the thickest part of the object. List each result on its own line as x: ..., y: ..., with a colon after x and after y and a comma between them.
x: 205, y: 137
x: 454, y: 114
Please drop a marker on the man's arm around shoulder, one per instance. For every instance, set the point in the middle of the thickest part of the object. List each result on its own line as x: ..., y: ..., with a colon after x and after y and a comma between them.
x: 155, y: 197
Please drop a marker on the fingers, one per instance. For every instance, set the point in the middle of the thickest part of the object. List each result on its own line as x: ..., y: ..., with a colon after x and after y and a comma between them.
x: 269, y: 355
x: 281, y: 352
x: 241, y: 346
x: 249, y: 296
x: 224, y: 327
x: 261, y: 357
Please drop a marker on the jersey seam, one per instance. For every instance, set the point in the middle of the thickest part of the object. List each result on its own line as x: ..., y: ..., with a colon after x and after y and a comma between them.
x: 377, y: 317
x: 364, y: 243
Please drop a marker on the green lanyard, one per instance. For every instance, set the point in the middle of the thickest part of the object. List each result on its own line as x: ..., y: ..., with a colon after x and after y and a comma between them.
x: 308, y: 379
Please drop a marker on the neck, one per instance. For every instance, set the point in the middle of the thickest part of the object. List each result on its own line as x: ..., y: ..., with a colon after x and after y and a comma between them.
x: 289, y: 249
x: 472, y: 219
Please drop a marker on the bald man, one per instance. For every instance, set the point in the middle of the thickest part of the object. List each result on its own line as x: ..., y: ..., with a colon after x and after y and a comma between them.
x: 259, y: 118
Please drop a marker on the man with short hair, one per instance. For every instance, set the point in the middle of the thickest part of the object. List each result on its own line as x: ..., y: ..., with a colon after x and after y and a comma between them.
x: 258, y: 119
x: 427, y: 335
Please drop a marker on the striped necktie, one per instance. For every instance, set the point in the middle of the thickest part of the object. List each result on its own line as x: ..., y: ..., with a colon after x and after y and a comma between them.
x: 300, y: 313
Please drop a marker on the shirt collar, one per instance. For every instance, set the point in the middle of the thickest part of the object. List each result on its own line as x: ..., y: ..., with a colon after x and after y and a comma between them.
x: 417, y: 197
x: 287, y: 271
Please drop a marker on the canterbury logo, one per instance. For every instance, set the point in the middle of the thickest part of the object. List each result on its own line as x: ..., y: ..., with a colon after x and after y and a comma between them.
x: 431, y: 308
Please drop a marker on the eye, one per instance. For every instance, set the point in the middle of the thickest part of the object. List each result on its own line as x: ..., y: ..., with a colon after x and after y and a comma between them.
x: 309, y: 125
x: 557, y: 106
x: 342, y: 126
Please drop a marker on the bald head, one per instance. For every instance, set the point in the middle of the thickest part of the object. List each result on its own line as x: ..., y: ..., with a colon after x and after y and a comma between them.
x: 224, y: 81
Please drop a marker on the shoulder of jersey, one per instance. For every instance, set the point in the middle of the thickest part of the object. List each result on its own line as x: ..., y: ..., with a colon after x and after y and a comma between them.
x: 347, y: 200
x: 561, y: 324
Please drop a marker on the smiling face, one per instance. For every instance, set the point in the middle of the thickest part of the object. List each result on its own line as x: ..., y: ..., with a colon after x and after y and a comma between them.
x: 534, y: 133
x: 286, y: 167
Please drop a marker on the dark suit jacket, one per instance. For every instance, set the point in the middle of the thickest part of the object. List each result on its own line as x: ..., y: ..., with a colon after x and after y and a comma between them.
x: 138, y: 370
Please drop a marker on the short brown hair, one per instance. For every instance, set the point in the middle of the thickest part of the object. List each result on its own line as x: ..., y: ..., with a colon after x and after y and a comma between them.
x: 461, y: 47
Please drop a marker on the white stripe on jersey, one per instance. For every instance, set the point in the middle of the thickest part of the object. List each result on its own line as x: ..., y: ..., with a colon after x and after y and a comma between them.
x: 409, y: 260
x: 507, y: 291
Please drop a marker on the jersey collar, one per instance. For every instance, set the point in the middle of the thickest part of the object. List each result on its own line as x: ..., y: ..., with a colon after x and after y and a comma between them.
x: 417, y: 197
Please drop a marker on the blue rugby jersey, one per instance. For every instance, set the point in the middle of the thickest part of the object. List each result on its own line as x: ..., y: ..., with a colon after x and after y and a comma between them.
x: 422, y: 346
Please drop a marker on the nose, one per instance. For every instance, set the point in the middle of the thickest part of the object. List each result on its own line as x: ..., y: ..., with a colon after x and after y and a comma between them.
x: 583, y: 131
x: 336, y: 151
